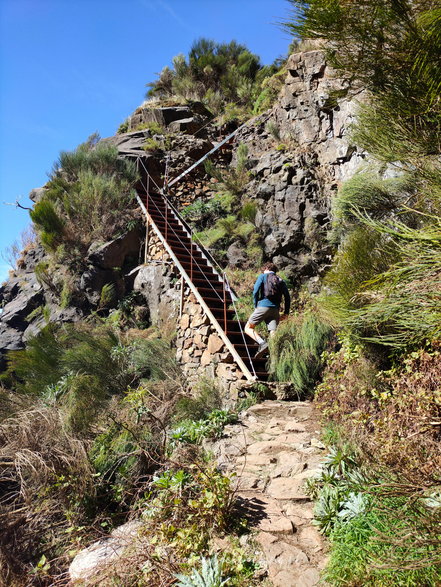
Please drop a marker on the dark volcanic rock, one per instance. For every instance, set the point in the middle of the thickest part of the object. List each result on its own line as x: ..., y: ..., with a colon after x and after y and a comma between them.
x: 94, y: 279
x: 29, y: 297
x: 114, y: 253
x: 166, y: 116
x: 32, y: 257
x: 10, y: 340
x: 236, y: 255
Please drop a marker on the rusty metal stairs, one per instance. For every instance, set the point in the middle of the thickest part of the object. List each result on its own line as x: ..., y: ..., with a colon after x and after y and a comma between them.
x: 210, y: 286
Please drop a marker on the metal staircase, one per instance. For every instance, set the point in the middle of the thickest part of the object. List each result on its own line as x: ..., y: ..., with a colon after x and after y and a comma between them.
x: 198, y: 268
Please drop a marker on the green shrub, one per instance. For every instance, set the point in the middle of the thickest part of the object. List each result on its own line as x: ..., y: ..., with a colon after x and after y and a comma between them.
x: 49, y: 222
x: 107, y: 296
x: 296, y: 350
x: 155, y: 128
x: 273, y: 129
x: 207, y: 398
x: 227, y: 77
x: 87, y: 198
x: 202, y: 213
x: 249, y: 211
x: 79, y: 349
x: 152, y: 145
x: 123, y: 127
x: 81, y: 401
x: 363, y: 255
x: 233, y: 180
x: 367, y: 193
x: 153, y: 359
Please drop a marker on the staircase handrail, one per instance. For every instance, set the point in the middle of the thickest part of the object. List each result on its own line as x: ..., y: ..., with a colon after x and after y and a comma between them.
x: 223, y: 334
x: 208, y: 256
x: 226, y: 288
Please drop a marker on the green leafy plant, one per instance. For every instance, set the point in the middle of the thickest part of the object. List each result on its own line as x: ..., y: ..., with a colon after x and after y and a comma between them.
x: 210, y: 427
x: 210, y: 575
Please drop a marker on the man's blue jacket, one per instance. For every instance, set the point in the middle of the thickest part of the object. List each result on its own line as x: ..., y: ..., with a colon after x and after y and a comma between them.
x: 258, y: 291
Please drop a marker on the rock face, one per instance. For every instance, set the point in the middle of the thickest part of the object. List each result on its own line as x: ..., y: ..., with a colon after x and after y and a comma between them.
x: 32, y: 295
x: 19, y: 297
x: 298, y: 156
x: 188, y: 118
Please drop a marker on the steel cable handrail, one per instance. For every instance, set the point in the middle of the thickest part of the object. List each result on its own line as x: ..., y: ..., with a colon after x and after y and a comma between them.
x: 193, y: 237
x: 192, y: 234
x: 241, y: 330
x: 190, y: 252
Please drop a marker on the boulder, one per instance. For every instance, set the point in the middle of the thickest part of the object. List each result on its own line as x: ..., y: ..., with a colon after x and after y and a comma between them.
x: 94, y: 279
x: 36, y: 194
x: 91, y: 560
x: 29, y: 297
x: 114, y: 253
x: 165, y: 116
x: 186, y: 125
x: 236, y: 255
x: 154, y: 283
x: 10, y: 340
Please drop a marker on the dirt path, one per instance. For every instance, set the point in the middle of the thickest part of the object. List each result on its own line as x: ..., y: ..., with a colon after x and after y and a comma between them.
x: 273, y: 450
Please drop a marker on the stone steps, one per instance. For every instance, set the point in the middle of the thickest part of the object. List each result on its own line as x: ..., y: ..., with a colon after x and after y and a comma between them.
x: 273, y: 451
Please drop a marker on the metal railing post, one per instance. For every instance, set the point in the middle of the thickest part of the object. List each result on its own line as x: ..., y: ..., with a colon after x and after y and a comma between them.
x: 166, y: 219
x: 191, y: 260
x: 147, y: 239
x: 225, y: 304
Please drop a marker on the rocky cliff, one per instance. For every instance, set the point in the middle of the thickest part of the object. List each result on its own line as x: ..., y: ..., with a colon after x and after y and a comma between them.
x: 297, y: 154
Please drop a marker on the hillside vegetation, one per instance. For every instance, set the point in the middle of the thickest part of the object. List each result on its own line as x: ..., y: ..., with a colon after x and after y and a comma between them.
x: 381, y: 394
x: 229, y: 79
x: 98, y: 426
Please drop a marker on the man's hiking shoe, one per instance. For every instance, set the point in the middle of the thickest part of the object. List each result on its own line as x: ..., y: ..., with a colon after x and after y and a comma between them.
x: 263, y: 347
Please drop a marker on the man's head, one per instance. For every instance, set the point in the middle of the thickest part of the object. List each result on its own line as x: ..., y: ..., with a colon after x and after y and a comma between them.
x: 269, y: 267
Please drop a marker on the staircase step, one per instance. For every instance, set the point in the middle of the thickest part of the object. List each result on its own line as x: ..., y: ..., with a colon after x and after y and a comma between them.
x: 219, y: 313
x: 172, y: 228
x: 210, y: 286
x: 201, y: 265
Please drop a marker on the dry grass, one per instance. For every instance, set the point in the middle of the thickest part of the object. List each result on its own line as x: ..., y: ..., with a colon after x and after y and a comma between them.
x: 43, y: 469
x: 394, y: 417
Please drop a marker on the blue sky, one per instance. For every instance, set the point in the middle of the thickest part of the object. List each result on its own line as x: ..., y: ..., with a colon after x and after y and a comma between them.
x: 69, y: 68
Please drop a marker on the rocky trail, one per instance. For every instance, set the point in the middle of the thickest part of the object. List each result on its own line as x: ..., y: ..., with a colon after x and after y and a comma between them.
x: 273, y: 451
